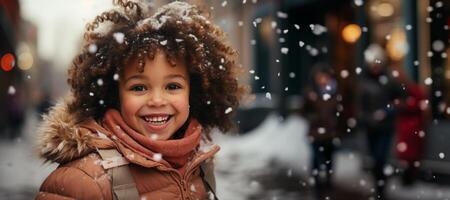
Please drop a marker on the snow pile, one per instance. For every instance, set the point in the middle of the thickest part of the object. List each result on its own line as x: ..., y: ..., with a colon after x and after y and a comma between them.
x: 271, y: 145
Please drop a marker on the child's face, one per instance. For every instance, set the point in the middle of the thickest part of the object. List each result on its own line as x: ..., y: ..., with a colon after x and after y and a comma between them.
x: 155, y: 102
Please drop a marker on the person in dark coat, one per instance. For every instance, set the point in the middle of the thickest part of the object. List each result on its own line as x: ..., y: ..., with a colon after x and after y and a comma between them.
x: 320, y: 110
x: 377, y: 96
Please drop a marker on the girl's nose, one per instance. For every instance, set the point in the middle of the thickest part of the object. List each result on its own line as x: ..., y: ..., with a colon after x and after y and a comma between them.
x: 156, y: 99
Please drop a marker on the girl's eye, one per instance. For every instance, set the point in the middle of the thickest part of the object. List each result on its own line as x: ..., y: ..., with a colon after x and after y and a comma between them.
x: 138, y: 88
x: 173, y: 86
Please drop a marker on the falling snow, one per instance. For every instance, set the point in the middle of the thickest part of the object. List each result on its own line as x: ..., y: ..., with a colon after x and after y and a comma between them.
x: 99, y: 82
x: 282, y: 15
x: 228, y: 110
x: 154, y: 136
x: 164, y: 42
x: 119, y: 37
x: 11, y: 90
x: 428, y: 81
x: 358, y: 2
x: 116, y: 77
x: 284, y: 50
x: 408, y: 27
x: 92, y: 48
x: 157, y: 157
x: 268, y: 96
x: 193, y: 188
x: 291, y: 75
x: 344, y: 73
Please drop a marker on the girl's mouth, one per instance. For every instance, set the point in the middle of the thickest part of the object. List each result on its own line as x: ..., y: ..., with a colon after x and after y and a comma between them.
x: 156, y: 122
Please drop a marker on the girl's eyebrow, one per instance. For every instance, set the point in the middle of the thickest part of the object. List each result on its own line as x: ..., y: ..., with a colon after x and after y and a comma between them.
x: 141, y: 76
x: 136, y: 76
x: 170, y: 76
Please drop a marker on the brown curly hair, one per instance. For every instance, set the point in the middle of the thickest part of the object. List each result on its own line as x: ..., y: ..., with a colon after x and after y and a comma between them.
x: 130, y: 32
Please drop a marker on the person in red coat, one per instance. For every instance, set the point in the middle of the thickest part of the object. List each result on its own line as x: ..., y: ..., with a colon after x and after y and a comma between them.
x: 410, y: 125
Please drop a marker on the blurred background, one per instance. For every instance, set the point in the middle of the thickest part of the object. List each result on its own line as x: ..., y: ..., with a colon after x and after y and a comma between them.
x: 350, y: 98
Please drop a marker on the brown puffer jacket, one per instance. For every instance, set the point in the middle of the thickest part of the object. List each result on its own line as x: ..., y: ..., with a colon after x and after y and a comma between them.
x: 80, y: 174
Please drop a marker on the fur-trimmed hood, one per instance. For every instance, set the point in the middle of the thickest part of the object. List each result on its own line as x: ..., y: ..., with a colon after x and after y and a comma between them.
x: 61, y: 138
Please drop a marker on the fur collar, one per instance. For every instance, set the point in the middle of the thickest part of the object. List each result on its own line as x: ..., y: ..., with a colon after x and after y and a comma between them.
x: 60, y: 138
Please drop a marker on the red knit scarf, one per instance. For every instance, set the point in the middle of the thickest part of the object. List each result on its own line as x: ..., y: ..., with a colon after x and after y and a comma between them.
x: 175, y: 152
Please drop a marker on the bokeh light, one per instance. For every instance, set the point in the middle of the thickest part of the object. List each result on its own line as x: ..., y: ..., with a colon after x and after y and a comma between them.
x: 7, y: 62
x: 351, y: 33
x: 25, y: 60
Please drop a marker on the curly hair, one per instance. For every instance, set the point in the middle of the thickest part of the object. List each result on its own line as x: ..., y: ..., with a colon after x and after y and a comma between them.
x: 130, y: 32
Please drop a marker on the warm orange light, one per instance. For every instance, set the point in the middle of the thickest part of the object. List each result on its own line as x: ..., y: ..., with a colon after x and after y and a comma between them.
x: 7, y: 62
x: 351, y: 33
x: 397, y: 47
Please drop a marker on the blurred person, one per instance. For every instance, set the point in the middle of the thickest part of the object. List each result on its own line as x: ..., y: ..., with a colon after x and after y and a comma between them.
x: 377, y: 95
x: 15, y: 107
x: 413, y: 117
x: 138, y: 123
x: 320, y: 110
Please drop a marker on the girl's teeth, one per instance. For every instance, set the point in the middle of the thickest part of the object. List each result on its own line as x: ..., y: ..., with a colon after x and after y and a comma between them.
x: 159, y: 120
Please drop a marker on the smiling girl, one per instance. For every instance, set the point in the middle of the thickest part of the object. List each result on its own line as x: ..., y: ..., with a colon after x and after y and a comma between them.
x: 146, y: 91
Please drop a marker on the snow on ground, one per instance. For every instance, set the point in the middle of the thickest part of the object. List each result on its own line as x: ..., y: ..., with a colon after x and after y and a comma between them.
x: 256, y: 153
x: 275, y: 146
x: 21, y: 172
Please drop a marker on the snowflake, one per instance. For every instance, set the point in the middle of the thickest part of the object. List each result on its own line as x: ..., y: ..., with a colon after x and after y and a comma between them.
x: 284, y: 50
x: 273, y: 24
x: 291, y: 75
x: 282, y: 15
x: 224, y: 3
x: 11, y: 90
x: 268, y: 96
x: 402, y: 147
x: 164, y: 42
x: 428, y: 81
x: 358, y: 2
x: 297, y: 26
x: 99, y: 82
x: 157, y: 157
x: 326, y: 97
x: 321, y: 130
x: 301, y: 43
x: 344, y: 73
x: 116, y: 77
x: 408, y: 27
x: 228, y: 110
x: 193, y: 188
x: 441, y: 155
x: 119, y: 37
x: 92, y: 48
